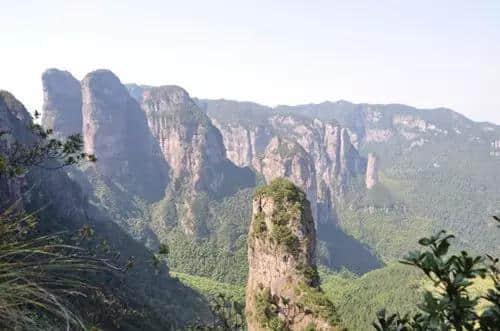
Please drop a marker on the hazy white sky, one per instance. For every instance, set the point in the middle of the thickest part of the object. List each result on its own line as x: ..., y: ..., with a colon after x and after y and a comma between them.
x: 424, y: 53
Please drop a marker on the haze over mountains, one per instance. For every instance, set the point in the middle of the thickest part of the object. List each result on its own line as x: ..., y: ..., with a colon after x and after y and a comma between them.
x: 62, y: 206
x: 177, y: 170
x: 427, y: 169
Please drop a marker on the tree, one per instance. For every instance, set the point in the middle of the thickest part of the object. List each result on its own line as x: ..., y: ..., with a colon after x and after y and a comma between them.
x: 226, y: 315
x: 43, y: 151
x: 450, y: 304
x: 39, y: 273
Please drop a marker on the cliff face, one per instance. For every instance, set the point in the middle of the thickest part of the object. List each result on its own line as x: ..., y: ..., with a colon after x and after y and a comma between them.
x: 14, y: 123
x: 115, y: 129
x: 371, y: 171
x: 60, y: 205
x: 335, y: 158
x: 287, y: 159
x: 62, y: 103
x: 283, y: 285
x: 252, y: 134
x: 152, y: 144
x: 191, y: 145
x: 244, y: 145
x: 194, y: 150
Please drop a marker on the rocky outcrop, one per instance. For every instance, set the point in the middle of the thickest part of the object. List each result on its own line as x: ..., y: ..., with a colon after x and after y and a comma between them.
x: 61, y: 206
x: 283, y: 290
x: 283, y: 158
x: 371, y: 171
x: 250, y: 134
x: 191, y: 145
x: 62, y: 103
x: 14, y: 123
x: 243, y: 144
x: 327, y: 146
x: 115, y: 129
x: 335, y: 159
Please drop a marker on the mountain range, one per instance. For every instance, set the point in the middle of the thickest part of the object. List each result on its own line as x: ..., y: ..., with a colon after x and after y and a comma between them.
x: 177, y: 170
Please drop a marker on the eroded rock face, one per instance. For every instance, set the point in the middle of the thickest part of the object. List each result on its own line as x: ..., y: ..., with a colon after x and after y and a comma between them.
x: 190, y: 144
x: 283, y: 158
x: 371, y: 171
x: 14, y: 123
x: 60, y: 204
x: 115, y: 129
x: 283, y: 285
x: 244, y: 145
x: 335, y: 159
x: 250, y: 132
x: 62, y: 103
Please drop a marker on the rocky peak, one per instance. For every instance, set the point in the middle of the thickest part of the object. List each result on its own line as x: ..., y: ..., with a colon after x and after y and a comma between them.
x: 193, y: 148
x: 105, y: 108
x: 336, y: 161
x: 115, y: 129
x: 62, y: 103
x: 14, y: 123
x: 244, y: 144
x: 284, y: 158
x: 13, y: 114
x: 191, y: 145
x: 334, y: 158
x: 283, y: 284
x: 350, y: 161
x: 371, y: 171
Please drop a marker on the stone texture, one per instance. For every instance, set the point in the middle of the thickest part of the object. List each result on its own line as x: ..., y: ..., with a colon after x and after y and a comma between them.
x: 282, y: 275
x: 334, y: 160
x: 62, y: 103
x: 14, y: 123
x: 60, y: 204
x: 115, y: 129
x: 283, y: 158
x: 191, y: 145
x: 189, y: 142
x: 244, y: 145
x: 371, y: 171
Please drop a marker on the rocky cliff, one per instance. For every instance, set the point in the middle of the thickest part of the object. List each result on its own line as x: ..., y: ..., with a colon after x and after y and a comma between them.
x: 283, y: 285
x: 14, y: 123
x: 191, y: 145
x: 283, y: 158
x: 423, y: 156
x: 115, y: 129
x: 61, y: 206
x: 194, y: 150
x: 62, y: 103
x: 371, y: 171
x: 244, y: 145
x: 250, y: 134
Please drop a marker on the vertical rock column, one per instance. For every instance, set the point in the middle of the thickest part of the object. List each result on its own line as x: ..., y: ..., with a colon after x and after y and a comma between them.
x: 283, y: 290
x: 62, y: 103
x: 371, y: 171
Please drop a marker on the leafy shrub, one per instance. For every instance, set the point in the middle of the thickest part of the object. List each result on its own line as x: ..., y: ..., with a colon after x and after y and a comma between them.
x: 449, y: 305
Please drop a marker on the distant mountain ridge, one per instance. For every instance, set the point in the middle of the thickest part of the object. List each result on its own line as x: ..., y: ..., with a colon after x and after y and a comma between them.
x: 438, y: 169
x: 369, y: 170
x: 182, y: 171
x: 191, y: 179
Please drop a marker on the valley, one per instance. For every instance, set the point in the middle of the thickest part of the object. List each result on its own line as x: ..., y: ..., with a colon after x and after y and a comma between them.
x: 180, y: 172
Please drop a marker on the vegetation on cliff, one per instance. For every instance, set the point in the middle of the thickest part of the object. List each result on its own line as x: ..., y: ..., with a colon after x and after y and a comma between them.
x: 289, y: 203
x: 282, y: 239
x: 59, y: 256
x: 450, y: 304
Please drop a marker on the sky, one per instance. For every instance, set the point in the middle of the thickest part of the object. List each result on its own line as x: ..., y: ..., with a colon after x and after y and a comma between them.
x: 423, y: 53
